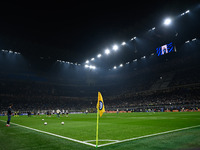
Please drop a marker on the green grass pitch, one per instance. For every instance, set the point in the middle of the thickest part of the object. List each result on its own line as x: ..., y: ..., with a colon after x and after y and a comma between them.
x: 116, y: 131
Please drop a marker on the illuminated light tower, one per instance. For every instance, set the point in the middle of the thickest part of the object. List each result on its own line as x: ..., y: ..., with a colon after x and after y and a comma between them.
x: 107, y: 51
x: 99, y: 55
x: 187, y: 11
x: 114, y: 67
x: 123, y: 43
x: 115, y: 47
x: 182, y: 14
x: 87, y: 61
x: 121, y: 65
x: 135, y: 60
x: 91, y: 67
x: 144, y: 57
x: 92, y: 59
x: 194, y: 39
x: 167, y: 21
x: 133, y: 38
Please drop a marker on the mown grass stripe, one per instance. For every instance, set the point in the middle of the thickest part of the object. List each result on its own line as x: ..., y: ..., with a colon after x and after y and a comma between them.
x: 150, y: 135
x: 60, y: 136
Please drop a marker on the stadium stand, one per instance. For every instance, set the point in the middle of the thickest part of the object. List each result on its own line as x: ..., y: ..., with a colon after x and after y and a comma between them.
x: 169, y: 83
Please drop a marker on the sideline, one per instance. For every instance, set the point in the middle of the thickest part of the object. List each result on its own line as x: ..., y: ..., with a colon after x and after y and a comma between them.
x: 150, y: 135
x: 115, y: 141
x: 60, y: 136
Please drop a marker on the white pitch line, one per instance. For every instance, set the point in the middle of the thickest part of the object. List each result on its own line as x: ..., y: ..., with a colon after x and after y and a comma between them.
x: 116, y: 141
x: 149, y: 135
x: 101, y: 140
x: 60, y: 136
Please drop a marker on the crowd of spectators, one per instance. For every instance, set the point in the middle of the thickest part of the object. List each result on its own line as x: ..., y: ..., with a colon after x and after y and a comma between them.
x: 128, y: 89
x: 187, y: 97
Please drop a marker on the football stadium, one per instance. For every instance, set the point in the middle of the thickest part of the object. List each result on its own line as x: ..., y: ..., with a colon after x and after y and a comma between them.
x: 99, y: 76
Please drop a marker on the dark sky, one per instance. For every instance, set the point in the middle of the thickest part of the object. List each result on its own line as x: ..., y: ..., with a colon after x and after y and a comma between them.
x: 74, y: 31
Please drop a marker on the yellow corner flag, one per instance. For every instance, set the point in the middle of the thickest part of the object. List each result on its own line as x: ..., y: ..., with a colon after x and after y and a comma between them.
x: 100, y: 104
x: 100, y: 111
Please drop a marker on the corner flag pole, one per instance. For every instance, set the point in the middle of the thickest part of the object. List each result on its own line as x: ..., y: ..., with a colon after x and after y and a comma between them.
x: 100, y: 111
x: 97, y: 130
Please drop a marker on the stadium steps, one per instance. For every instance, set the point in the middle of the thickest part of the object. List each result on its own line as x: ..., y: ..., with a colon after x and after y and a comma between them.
x: 163, y: 82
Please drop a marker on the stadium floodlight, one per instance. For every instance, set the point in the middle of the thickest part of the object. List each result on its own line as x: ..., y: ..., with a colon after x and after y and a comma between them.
x: 115, y: 47
x: 167, y: 21
x: 182, y: 14
x: 133, y: 38
x: 153, y: 28
x: 187, y: 41
x: 92, y: 59
x: 128, y: 63
x: 194, y: 39
x: 144, y: 57
x: 86, y: 66
x: 99, y: 55
x: 123, y: 43
x: 187, y: 11
x: 87, y: 61
x: 121, y: 65
x: 135, y: 60
x: 92, y: 67
x: 114, y: 67
x: 107, y: 51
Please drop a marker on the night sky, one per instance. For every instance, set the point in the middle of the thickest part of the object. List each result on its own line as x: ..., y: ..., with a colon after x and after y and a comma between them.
x: 76, y: 31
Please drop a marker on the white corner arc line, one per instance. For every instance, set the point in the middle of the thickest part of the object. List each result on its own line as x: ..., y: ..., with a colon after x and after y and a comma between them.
x: 150, y: 135
x: 60, y: 136
x: 102, y: 140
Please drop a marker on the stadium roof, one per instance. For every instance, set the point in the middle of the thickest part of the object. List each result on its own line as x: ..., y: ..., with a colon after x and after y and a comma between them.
x: 76, y: 32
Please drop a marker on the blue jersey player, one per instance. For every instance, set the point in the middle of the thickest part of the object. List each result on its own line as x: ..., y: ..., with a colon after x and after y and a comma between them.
x: 9, y: 114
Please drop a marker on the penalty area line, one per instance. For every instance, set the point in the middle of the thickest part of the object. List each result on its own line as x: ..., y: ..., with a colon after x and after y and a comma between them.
x: 60, y: 136
x: 150, y: 135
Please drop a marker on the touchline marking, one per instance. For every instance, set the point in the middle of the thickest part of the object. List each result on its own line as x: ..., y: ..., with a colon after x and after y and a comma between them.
x: 60, y: 136
x: 115, y: 141
x: 149, y: 135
